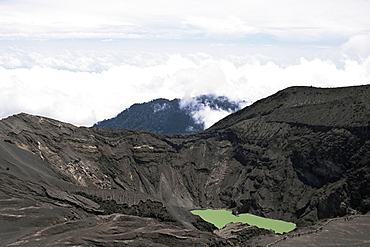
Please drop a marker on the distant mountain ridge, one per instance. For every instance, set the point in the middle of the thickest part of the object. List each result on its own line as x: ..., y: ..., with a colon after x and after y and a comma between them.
x: 169, y: 117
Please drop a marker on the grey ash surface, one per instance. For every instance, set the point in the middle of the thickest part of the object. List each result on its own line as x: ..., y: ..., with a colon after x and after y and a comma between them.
x: 300, y: 155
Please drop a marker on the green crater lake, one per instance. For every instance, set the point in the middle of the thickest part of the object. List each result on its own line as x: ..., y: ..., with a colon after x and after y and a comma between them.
x: 221, y: 217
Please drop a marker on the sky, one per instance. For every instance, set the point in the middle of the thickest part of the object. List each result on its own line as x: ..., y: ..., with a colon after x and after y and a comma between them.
x: 83, y: 61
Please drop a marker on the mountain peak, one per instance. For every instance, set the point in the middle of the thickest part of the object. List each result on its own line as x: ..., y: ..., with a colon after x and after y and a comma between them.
x: 163, y: 116
x: 345, y: 106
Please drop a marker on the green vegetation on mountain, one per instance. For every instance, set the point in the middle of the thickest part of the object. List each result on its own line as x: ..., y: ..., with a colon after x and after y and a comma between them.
x: 168, y: 117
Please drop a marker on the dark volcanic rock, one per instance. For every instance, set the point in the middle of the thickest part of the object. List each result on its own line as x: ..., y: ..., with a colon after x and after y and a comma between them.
x: 238, y: 233
x: 300, y: 155
x: 40, y: 209
x: 341, y: 232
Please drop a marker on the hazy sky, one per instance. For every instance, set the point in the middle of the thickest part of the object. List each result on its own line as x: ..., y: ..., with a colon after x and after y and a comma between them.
x: 82, y: 61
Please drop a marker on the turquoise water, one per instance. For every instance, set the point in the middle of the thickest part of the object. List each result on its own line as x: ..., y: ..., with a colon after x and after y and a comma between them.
x: 221, y: 217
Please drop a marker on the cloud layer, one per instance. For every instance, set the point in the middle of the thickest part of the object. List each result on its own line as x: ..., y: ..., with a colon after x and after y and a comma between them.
x: 85, y: 87
x: 286, y: 20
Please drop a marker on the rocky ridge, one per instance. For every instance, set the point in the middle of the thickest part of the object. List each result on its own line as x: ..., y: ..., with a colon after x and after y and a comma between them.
x: 300, y: 155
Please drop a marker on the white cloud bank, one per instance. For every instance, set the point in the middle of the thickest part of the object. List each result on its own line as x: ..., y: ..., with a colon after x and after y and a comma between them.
x: 208, y: 116
x: 85, y: 97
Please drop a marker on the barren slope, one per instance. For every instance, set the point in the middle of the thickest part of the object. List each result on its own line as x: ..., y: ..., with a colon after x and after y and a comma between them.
x: 300, y: 155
